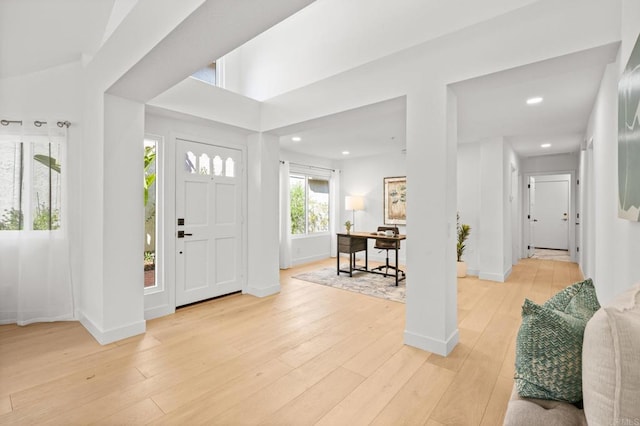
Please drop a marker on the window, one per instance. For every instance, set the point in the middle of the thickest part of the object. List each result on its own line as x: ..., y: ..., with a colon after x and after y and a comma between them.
x: 153, y: 203
x: 309, y: 197
x: 206, y: 74
x: 30, y: 183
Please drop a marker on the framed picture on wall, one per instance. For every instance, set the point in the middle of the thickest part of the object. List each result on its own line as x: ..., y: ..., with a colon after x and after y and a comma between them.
x: 395, y: 200
x: 629, y: 138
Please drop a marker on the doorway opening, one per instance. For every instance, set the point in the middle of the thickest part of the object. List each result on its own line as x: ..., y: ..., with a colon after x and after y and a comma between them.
x: 549, y: 209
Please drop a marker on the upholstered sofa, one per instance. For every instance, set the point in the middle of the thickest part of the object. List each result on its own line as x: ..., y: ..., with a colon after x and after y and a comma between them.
x: 610, y: 374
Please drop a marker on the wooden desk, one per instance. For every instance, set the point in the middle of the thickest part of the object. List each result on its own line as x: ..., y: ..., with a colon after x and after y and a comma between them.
x: 355, y: 242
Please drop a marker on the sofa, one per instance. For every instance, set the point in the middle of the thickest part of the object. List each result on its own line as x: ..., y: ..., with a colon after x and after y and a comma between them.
x: 610, y: 374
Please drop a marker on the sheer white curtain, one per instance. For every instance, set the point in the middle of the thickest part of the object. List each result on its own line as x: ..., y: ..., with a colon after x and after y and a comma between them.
x: 334, y: 214
x: 285, y: 217
x: 35, y: 278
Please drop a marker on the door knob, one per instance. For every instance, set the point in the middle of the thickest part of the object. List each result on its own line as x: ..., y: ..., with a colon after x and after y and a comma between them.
x: 182, y: 234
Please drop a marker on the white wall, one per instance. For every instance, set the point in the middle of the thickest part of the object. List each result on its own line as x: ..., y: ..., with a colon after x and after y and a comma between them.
x: 616, y: 242
x: 365, y: 176
x: 484, y: 203
x: 551, y: 163
x: 469, y: 187
x: 512, y: 230
x: 54, y: 94
x: 361, y: 31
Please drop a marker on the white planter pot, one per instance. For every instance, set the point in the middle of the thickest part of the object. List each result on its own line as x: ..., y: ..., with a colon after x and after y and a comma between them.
x: 462, y: 269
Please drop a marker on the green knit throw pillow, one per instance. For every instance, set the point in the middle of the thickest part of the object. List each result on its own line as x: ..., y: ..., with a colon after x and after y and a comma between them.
x: 578, y: 300
x: 549, y: 354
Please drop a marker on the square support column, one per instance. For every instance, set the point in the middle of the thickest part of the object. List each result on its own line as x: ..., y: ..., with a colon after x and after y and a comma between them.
x: 263, y: 211
x: 431, y: 322
x: 113, y: 291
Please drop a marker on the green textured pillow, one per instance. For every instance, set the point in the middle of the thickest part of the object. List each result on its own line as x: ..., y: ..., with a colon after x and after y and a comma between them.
x: 549, y: 354
x: 578, y: 300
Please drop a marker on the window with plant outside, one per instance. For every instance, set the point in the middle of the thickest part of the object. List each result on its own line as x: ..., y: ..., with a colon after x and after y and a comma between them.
x: 150, y: 197
x: 309, y: 198
x: 30, y: 183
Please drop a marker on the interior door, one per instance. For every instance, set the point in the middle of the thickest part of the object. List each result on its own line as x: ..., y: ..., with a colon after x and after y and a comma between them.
x: 531, y: 247
x: 552, y: 214
x: 209, y: 228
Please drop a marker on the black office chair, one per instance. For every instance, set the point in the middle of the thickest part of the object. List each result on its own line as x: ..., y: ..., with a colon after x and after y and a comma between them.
x: 382, y: 244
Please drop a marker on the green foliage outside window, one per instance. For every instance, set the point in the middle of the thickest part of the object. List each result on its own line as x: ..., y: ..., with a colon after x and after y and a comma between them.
x: 309, y: 202
x: 11, y: 220
x: 297, y: 210
x: 43, y: 222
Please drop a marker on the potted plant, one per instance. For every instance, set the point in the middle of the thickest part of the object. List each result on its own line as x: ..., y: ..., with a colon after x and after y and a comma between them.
x: 347, y: 225
x: 463, y: 233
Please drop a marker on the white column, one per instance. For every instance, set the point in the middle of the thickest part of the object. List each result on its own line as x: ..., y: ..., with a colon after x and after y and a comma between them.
x: 263, y: 215
x: 492, y: 218
x: 113, y: 290
x: 431, y: 322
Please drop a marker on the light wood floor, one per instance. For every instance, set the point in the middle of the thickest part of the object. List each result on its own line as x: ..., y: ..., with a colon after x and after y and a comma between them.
x: 310, y: 355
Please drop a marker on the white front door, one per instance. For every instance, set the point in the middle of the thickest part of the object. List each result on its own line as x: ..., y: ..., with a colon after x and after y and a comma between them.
x: 551, y: 213
x: 209, y: 228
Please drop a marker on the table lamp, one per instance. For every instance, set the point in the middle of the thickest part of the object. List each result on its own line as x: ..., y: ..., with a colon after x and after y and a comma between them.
x: 353, y: 203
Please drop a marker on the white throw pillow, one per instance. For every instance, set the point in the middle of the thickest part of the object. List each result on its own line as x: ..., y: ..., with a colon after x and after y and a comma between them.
x: 611, y: 362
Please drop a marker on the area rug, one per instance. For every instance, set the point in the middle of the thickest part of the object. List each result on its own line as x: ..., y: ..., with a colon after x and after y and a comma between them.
x: 361, y: 282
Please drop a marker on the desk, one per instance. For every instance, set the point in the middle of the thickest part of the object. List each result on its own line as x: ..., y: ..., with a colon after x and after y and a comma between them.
x: 355, y: 242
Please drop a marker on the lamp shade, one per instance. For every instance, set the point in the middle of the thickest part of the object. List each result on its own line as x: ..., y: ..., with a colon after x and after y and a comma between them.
x: 353, y: 202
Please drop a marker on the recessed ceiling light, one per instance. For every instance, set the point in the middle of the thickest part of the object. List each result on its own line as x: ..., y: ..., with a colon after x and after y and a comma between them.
x: 345, y: 152
x: 533, y: 101
x: 545, y: 145
x: 296, y: 138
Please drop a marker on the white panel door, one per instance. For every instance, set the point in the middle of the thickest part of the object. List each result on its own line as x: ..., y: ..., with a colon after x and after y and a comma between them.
x: 209, y: 243
x: 551, y: 213
x: 531, y: 247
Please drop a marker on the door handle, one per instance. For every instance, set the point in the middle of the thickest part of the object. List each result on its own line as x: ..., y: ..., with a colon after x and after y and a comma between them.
x: 181, y: 234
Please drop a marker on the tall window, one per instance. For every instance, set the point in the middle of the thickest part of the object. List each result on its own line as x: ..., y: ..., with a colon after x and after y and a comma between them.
x: 150, y: 219
x: 30, y: 183
x: 309, y: 204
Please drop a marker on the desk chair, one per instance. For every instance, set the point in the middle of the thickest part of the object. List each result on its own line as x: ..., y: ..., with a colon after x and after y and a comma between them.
x: 387, y: 245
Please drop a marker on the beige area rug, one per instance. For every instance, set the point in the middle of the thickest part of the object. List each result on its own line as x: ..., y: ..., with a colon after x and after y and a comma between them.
x: 549, y: 254
x: 362, y: 282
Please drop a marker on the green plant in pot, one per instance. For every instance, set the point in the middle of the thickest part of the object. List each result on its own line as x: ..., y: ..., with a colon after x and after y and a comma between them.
x: 347, y: 226
x: 463, y: 233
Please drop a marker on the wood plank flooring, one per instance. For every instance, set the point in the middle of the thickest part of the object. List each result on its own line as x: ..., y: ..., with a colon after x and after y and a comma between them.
x: 309, y: 355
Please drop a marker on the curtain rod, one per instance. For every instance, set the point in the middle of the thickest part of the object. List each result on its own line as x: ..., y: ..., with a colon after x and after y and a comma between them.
x: 35, y: 123
x: 311, y: 167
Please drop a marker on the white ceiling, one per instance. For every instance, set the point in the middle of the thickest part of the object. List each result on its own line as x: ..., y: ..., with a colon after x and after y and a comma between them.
x: 71, y: 28
x: 489, y: 106
x: 375, y: 129
x: 495, y: 105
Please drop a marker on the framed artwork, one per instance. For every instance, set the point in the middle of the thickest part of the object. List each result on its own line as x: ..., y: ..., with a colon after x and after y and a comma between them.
x: 395, y: 200
x: 629, y: 138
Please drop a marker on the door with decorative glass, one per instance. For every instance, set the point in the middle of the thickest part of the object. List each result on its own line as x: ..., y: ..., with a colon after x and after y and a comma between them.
x: 209, y: 221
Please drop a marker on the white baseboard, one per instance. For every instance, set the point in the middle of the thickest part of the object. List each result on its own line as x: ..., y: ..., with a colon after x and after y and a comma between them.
x: 474, y: 272
x: 308, y: 259
x: 158, y: 311
x: 497, y: 277
x: 263, y: 291
x: 104, y: 337
x: 430, y: 344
